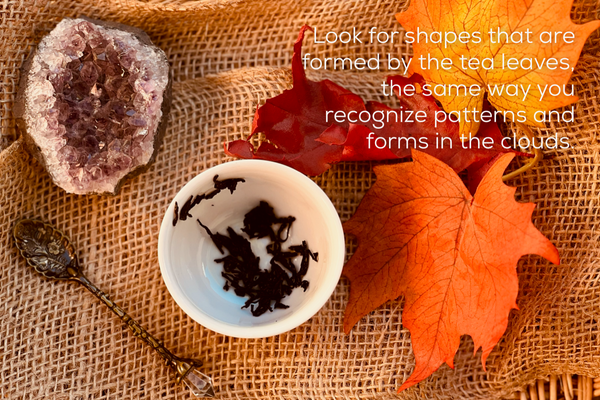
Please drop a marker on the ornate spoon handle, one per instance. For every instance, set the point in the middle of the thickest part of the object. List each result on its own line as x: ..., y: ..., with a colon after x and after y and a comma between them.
x: 184, y: 368
x: 51, y: 254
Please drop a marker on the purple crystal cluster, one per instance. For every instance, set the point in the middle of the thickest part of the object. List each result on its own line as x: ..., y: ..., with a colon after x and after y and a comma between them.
x: 93, y: 104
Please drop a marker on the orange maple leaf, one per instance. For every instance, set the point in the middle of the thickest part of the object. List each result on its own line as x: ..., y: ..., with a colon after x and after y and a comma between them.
x: 508, y: 16
x: 453, y: 256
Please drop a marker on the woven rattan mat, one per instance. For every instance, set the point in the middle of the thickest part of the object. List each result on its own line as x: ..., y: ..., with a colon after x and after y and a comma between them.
x: 58, y: 342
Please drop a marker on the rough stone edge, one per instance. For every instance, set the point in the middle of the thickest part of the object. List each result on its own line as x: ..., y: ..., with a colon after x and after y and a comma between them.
x: 33, y: 148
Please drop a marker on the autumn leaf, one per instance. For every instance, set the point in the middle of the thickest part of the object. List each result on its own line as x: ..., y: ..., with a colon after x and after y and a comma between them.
x: 453, y: 256
x: 508, y: 16
x: 295, y: 125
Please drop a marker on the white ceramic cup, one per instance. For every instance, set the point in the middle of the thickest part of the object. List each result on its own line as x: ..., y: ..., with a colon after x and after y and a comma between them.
x: 186, y: 253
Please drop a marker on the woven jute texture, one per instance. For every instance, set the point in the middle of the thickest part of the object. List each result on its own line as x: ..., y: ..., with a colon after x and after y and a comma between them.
x: 58, y: 342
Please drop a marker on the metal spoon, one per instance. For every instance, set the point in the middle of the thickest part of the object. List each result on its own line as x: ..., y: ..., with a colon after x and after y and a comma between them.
x: 51, y: 254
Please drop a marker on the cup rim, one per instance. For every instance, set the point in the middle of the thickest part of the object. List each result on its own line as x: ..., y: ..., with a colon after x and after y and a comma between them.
x: 313, y: 304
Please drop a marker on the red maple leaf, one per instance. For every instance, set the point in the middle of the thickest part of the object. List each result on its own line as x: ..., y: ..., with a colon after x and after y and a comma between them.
x: 453, y: 256
x: 295, y: 121
x: 298, y: 133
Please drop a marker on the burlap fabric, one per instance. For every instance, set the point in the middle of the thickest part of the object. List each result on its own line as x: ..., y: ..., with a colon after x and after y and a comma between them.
x: 58, y: 342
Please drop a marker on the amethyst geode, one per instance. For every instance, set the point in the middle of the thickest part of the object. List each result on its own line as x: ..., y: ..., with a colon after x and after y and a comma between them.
x: 92, y: 103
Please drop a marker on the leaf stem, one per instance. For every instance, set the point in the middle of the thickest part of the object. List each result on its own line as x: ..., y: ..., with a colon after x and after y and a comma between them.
x: 537, y: 156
